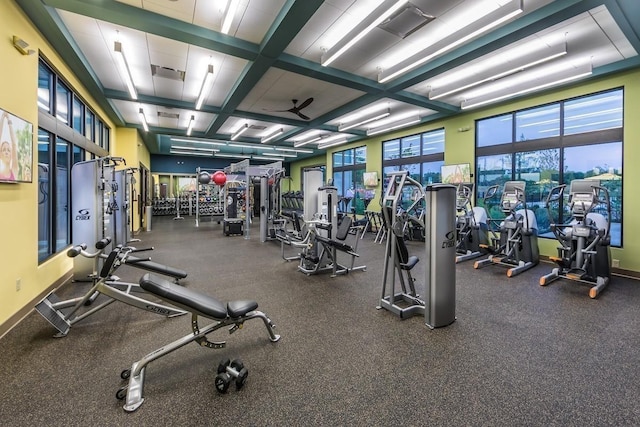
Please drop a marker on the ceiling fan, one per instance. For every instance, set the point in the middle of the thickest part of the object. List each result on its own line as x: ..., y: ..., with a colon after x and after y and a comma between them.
x: 296, y: 108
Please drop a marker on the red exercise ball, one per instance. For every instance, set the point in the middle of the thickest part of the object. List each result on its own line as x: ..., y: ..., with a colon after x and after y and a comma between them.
x: 219, y: 178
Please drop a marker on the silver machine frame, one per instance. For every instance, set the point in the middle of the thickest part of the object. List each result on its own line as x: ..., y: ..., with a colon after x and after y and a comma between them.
x: 54, y: 310
x: 438, y: 307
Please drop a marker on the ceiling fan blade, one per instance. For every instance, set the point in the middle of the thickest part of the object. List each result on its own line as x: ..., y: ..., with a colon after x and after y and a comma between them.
x: 305, y: 103
x: 302, y: 116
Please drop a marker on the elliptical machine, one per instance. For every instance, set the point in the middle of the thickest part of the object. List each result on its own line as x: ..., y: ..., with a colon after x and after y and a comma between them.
x: 517, y: 245
x: 471, y: 226
x: 584, y: 254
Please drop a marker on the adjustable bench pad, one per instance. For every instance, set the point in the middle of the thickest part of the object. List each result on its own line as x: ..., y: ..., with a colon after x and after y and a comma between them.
x: 155, y: 267
x: 194, y: 301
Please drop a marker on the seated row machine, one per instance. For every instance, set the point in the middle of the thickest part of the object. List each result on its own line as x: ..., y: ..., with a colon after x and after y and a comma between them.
x: 516, y: 246
x: 584, y: 254
x: 233, y: 313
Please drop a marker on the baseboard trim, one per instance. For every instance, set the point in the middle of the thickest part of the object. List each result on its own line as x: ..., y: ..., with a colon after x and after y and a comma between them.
x: 26, y: 310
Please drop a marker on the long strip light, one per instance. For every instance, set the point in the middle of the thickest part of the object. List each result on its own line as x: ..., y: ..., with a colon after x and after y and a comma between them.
x: 553, y: 80
x: 197, y: 141
x: 396, y: 125
x: 232, y: 6
x: 267, y: 158
x: 328, y: 144
x: 375, y: 18
x: 474, y: 29
x: 364, y: 121
x: 233, y: 144
x: 308, y: 141
x: 143, y: 120
x: 242, y: 129
x: 517, y: 65
x: 237, y: 156
x: 294, y: 150
x: 124, y: 70
x: 182, y: 147
x: 206, y: 86
x: 190, y: 126
x: 272, y: 136
x: 279, y: 154
x: 192, y: 153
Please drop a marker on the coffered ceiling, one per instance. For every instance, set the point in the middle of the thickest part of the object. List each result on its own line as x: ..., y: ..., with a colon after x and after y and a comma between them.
x: 270, y: 75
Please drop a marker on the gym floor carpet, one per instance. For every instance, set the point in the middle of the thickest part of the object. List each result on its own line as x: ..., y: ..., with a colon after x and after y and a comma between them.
x: 518, y: 354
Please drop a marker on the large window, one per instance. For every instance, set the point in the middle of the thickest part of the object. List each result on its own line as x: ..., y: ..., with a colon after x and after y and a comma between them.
x: 56, y: 156
x: 550, y: 145
x: 422, y: 155
x: 348, y: 169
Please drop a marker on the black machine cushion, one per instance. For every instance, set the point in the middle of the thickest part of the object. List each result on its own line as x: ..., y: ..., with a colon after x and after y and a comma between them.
x: 155, y: 267
x: 180, y: 296
x: 240, y: 308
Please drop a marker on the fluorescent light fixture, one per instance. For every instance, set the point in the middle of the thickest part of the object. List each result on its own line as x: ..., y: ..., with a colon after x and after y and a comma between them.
x: 472, y: 30
x: 236, y: 156
x: 192, y: 153
x: 309, y: 141
x: 538, y: 84
x: 124, y: 70
x: 363, y: 121
x: 190, y: 126
x: 206, y: 86
x: 242, y: 129
x: 515, y: 66
x: 182, y: 147
x: 232, y: 6
x: 328, y: 144
x: 233, y: 144
x: 375, y: 18
x: 267, y: 158
x: 396, y: 125
x: 293, y: 149
x: 198, y: 141
x: 143, y: 120
x: 272, y: 136
x: 279, y: 154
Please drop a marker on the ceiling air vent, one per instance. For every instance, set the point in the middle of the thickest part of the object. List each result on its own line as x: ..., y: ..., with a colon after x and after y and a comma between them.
x: 257, y: 127
x: 167, y: 73
x: 406, y: 21
x: 166, y: 115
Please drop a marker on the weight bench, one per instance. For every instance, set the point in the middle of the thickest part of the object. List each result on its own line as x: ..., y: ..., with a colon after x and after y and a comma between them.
x: 233, y: 313
x: 155, y: 267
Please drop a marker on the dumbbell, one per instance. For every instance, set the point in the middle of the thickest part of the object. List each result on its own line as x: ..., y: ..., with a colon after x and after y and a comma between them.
x: 230, y: 369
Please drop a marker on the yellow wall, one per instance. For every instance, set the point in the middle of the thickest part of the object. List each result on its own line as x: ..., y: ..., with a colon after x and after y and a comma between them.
x: 18, y: 202
x: 460, y: 148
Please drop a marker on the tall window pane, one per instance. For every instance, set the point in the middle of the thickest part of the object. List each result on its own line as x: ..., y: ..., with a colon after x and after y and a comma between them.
x: 410, y: 146
x: 89, y: 126
x: 45, y: 83
x: 44, y: 198
x: 361, y: 155
x: 604, y: 165
x: 78, y: 115
x: 433, y: 142
x: 337, y: 159
x: 492, y: 170
x: 391, y: 150
x: 536, y: 123
x: 62, y: 194
x: 63, y: 101
x: 494, y: 131
x: 595, y: 112
x: 431, y: 172
x: 348, y: 157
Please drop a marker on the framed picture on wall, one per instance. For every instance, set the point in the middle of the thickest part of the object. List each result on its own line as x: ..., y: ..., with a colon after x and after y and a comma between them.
x: 456, y: 174
x: 16, y: 148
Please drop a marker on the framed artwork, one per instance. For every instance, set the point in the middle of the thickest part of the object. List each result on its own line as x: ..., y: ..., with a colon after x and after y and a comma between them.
x: 370, y: 179
x: 16, y: 148
x: 456, y: 174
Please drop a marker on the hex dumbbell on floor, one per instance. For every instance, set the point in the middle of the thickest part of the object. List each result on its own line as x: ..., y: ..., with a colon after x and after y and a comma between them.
x: 227, y: 370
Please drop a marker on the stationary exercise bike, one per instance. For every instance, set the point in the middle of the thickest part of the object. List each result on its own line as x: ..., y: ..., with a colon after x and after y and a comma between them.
x: 516, y: 246
x: 471, y: 226
x: 584, y: 254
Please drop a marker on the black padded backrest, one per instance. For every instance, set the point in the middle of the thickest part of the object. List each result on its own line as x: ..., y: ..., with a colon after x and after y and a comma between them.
x: 401, y: 249
x: 108, y: 263
x: 343, y: 229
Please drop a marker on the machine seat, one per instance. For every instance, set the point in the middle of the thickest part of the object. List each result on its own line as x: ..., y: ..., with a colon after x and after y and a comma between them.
x: 155, y: 267
x: 194, y: 301
x: 411, y: 262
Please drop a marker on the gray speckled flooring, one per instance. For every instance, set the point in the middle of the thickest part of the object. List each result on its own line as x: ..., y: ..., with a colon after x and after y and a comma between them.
x: 518, y: 354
